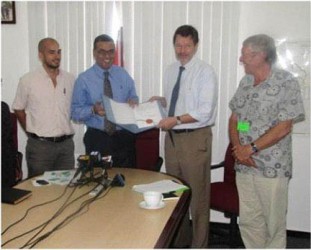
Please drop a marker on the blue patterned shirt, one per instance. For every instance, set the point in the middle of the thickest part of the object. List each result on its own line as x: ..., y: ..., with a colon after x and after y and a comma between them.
x: 276, y: 99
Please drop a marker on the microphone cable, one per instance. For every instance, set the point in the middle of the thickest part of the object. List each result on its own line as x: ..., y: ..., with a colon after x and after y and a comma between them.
x: 33, y: 207
x: 41, y: 204
x: 58, y: 212
x: 70, y: 217
x: 41, y: 225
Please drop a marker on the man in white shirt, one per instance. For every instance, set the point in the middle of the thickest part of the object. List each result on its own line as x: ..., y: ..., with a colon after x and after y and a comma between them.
x: 42, y: 106
x: 188, y: 143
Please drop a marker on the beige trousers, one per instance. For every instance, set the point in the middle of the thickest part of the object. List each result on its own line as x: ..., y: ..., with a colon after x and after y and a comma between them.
x: 263, y: 207
x: 190, y: 160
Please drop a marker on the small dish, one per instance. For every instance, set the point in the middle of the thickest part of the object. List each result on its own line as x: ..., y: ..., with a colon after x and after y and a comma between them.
x: 144, y: 205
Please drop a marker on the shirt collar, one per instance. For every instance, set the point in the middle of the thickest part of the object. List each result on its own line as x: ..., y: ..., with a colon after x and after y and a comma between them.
x: 190, y: 63
x: 43, y: 71
x: 100, y: 71
x: 267, y: 80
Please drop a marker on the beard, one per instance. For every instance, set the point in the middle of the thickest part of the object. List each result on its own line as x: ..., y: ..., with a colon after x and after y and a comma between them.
x: 52, y: 65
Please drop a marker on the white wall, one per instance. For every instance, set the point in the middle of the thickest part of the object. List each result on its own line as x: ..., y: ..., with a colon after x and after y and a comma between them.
x: 279, y: 19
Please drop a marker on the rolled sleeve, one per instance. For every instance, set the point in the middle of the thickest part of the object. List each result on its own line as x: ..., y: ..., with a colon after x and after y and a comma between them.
x: 21, y: 96
x: 205, y: 110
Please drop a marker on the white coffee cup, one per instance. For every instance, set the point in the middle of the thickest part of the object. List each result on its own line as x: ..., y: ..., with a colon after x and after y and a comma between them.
x: 153, y: 198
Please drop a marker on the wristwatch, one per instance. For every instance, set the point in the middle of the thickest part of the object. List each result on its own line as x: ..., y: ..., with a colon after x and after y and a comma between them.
x: 178, y: 120
x: 254, y: 147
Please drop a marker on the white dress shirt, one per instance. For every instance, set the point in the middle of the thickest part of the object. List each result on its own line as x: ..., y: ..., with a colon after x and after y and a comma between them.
x: 47, y: 107
x: 197, y: 94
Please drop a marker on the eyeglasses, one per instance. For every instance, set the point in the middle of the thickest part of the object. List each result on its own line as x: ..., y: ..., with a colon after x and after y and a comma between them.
x: 249, y: 55
x: 180, y: 47
x: 102, y: 52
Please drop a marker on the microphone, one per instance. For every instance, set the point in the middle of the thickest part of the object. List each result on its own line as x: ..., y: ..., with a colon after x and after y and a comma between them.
x: 118, y: 181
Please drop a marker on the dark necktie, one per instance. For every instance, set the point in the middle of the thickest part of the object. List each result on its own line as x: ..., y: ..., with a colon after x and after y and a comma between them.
x: 174, y: 98
x: 110, y: 127
x: 175, y: 93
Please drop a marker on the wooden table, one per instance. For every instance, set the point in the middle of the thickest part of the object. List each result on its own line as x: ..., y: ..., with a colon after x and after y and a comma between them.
x: 113, y: 221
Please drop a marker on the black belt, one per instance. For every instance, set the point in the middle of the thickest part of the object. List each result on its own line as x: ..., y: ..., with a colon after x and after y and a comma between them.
x: 50, y: 139
x: 180, y: 131
x: 118, y: 131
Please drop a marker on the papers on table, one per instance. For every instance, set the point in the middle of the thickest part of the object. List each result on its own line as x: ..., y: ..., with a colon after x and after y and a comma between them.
x: 143, y: 117
x: 163, y: 186
x: 59, y: 177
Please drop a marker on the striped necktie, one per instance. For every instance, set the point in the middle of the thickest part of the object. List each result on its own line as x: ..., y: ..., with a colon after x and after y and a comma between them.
x: 110, y: 127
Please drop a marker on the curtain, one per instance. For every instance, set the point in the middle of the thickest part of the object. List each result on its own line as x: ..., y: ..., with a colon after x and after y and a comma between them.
x: 148, y: 29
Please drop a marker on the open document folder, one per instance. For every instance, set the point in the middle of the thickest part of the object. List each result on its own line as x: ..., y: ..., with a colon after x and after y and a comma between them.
x: 138, y: 119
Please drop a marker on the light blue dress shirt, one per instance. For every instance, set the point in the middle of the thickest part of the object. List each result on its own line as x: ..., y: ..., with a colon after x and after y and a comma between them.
x: 198, y: 92
x: 89, y: 88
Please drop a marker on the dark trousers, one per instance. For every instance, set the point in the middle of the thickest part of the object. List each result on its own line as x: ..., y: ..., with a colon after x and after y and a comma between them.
x: 44, y: 156
x: 120, y: 145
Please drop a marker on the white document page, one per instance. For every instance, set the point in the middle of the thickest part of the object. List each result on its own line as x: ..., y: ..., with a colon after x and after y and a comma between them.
x: 123, y: 113
x: 144, y: 115
x: 147, y: 114
x: 58, y: 177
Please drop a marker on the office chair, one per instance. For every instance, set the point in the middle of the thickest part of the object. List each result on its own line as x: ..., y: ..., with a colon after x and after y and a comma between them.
x: 19, y: 155
x: 147, y: 150
x: 224, y: 198
x: 11, y: 159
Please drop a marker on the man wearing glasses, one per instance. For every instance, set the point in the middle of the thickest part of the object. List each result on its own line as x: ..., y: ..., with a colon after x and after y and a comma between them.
x: 104, y: 78
x: 190, y: 94
x: 264, y: 108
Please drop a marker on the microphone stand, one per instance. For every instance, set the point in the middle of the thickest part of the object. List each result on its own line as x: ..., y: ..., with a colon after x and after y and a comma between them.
x: 87, y: 163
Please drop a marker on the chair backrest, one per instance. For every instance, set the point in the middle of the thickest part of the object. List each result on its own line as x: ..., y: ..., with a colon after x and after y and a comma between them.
x: 14, y: 130
x: 8, y: 147
x: 229, y: 172
x: 158, y: 164
x: 147, y: 150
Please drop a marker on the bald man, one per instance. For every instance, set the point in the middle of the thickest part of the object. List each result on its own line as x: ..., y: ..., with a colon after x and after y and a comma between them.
x: 42, y: 106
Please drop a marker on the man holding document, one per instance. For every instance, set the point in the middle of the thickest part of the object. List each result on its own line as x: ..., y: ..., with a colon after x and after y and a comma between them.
x: 190, y: 90
x: 104, y: 79
x: 142, y: 117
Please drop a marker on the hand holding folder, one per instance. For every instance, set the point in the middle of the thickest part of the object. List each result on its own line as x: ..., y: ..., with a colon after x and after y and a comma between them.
x: 138, y: 119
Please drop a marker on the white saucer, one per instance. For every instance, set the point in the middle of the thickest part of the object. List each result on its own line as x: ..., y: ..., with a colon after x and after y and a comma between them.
x: 144, y: 205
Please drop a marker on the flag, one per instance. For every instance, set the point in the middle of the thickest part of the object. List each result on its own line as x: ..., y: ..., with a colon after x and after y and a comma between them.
x: 118, y: 59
